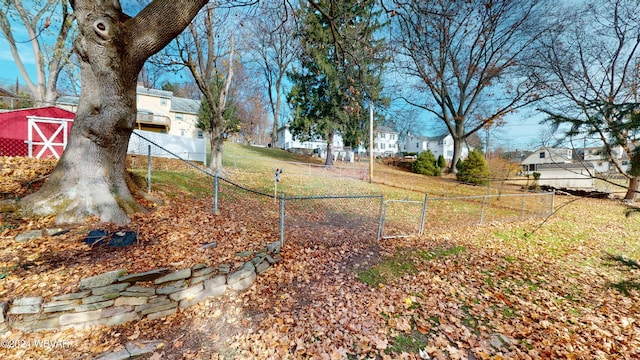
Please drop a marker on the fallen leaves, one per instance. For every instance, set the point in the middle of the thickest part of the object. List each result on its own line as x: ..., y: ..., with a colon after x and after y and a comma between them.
x: 487, y: 292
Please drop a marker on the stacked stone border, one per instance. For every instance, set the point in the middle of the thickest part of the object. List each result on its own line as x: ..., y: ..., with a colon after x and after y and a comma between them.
x: 115, y: 297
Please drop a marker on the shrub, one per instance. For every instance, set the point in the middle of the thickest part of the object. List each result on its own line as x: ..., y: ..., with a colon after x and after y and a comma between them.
x: 473, y: 169
x: 426, y: 164
x: 536, y: 182
x: 442, y: 163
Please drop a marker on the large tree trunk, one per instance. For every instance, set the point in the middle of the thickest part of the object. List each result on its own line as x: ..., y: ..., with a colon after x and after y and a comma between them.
x: 632, y: 190
x: 457, y: 152
x: 217, y: 147
x: 329, y: 161
x: 90, y: 178
x: 276, y: 114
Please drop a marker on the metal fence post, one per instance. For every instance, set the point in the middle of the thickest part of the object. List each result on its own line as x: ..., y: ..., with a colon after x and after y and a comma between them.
x: 484, y: 198
x: 215, y: 193
x: 423, y: 216
x: 381, y: 218
x: 282, y: 219
x: 149, y: 169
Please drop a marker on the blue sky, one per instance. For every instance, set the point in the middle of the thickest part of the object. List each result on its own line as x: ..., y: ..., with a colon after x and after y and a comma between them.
x: 8, y: 68
x: 522, y: 130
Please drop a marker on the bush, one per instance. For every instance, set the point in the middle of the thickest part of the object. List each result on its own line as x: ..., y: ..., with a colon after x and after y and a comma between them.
x: 473, y: 169
x: 442, y: 163
x: 426, y: 164
x: 536, y: 181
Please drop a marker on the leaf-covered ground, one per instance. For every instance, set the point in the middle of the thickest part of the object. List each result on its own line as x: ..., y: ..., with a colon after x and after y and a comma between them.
x: 565, y: 288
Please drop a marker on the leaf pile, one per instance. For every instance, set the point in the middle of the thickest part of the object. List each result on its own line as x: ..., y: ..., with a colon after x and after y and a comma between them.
x: 20, y: 175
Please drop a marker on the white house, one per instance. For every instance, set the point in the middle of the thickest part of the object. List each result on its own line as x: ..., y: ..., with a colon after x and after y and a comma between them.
x: 557, y: 168
x: 439, y: 145
x: 385, y: 142
x: 287, y: 141
x: 545, y: 155
x: 158, y: 111
x: 601, y: 162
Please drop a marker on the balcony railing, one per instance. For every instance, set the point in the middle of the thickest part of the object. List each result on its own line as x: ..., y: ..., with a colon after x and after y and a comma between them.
x: 154, y: 119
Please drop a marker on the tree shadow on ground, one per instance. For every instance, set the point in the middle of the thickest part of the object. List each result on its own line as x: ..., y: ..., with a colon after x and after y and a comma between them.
x: 624, y: 265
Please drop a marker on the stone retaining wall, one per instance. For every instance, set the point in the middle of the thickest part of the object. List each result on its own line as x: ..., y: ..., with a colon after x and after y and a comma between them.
x: 116, y: 297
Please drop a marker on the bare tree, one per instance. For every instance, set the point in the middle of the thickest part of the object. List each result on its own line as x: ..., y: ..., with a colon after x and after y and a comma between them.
x: 248, y: 101
x: 39, y: 20
x: 211, y: 62
x: 272, y: 38
x: 90, y: 178
x: 69, y: 79
x: 466, y: 58
x: 591, y: 66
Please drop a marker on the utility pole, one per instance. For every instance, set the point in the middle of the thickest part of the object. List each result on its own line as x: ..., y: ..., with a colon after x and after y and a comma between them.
x: 371, y: 142
x: 486, y: 152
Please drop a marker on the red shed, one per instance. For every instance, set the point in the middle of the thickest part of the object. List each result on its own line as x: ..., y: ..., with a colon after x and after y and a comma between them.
x: 37, y: 132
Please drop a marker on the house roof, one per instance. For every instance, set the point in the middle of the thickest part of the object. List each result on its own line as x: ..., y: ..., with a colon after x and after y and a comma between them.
x: 6, y: 93
x: 154, y: 92
x: 68, y: 100
x: 430, y: 138
x: 384, y: 129
x: 44, y: 111
x: 184, y: 105
x: 556, y: 155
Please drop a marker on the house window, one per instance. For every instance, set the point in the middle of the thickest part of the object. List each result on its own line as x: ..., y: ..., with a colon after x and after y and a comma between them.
x: 440, y: 142
x: 179, y: 117
x: 542, y: 155
x: 163, y: 101
x: 382, y: 146
x: 200, y: 134
x: 417, y: 145
x: 449, y: 153
x: 532, y: 167
x: 181, y: 132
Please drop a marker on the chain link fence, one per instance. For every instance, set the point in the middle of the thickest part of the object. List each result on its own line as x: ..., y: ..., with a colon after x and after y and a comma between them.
x: 329, y: 219
x: 405, y: 217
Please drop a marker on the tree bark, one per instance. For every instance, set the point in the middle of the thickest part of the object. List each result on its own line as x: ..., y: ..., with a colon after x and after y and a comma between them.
x: 457, y: 151
x: 632, y: 190
x: 217, y: 114
x: 329, y: 161
x: 217, y: 148
x: 90, y: 178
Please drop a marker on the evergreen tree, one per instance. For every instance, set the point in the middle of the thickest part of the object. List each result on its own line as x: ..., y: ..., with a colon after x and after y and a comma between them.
x: 442, y: 163
x: 231, y: 122
x: 426, y: 164
x: 340, y: 71
x: 473, y: 169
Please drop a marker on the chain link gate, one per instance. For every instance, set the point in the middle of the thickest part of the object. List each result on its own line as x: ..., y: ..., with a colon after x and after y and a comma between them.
x: 402, y: 218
